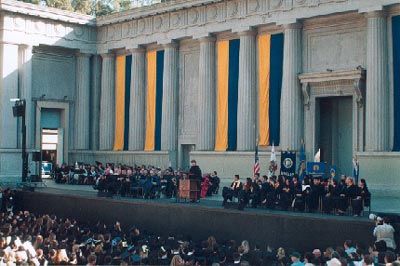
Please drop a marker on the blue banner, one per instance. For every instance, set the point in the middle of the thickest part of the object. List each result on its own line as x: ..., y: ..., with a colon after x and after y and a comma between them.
x: 316, y: 169
x: 288, y: 163
x: 301, y: 170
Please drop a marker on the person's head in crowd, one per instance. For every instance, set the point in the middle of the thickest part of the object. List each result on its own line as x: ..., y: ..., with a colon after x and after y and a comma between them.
x: 390, y: 257
x: 328, y: 252
x: 362, y: 183
x: 368, y: 260
x: 91, y: 260
x: 280, y: 253
x: 236, y: 177
x: 245, y: 247
x: 308, y: 257
x: 317, y: 180
x: 193, y: 163
x: 256, y: 176
x: 295, y: 256
x: 349, y: 181
x: 317, y: 253
x: 380, y: 246
x: 177, y: 261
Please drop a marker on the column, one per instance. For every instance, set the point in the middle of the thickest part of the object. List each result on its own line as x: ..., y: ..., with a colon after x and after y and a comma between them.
x: 137, y: 101
x: 207, y: 97
x: 169, y: 126
x: 291, y: 97
x: 95, y: 101
x: 9, y: 133
x: 246, y: 93
x: 107, y: 103
x: 25, y: 53
x: 376, y: 137
x: 82, y: 102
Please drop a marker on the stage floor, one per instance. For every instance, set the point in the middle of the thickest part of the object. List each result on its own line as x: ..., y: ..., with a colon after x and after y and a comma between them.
x: 383, y: 201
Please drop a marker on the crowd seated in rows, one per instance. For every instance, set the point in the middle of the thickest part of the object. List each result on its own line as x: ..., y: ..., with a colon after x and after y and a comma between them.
x: 139, y: 181
x: 312, y: 194
x: 31, y: 239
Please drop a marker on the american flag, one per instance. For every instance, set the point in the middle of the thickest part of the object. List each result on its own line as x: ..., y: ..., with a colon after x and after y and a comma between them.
x: 256, y: 169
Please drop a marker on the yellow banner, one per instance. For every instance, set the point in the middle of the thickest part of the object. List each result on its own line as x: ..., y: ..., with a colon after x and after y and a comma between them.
x: 264, y: 70
x: 151, y: 100
x: 221, y: 138
x: 119, y: 103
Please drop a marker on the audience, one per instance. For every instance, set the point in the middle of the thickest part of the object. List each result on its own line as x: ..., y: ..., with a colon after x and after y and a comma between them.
x: 32, y: 239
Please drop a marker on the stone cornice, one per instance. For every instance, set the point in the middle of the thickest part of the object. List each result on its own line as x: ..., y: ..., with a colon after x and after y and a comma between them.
x: 332, y: 76
x: 152, y: 10
x: 46, y: 12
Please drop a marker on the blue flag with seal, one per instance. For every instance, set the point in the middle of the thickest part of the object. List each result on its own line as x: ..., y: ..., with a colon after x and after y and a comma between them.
x: 332, y: 171
x: 288, y: 163
x: 316, y: 168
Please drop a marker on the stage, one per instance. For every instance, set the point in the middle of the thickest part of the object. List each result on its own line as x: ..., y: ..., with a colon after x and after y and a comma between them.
x: 296, y: 230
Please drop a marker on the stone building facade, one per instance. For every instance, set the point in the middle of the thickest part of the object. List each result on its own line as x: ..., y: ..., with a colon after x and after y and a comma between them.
x: 337, y: 88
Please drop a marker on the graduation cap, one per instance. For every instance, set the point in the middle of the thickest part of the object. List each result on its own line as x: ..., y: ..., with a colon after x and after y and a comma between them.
x: 136, y: 258
x: 116, y: 241
x: 125, y: 255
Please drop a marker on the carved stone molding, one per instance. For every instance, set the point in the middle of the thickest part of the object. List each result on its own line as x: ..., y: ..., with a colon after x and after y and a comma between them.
x: 306, y: 94
x: 335, y: 83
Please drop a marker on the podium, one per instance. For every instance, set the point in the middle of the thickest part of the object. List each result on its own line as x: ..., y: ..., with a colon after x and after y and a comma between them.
x: 188, y: 189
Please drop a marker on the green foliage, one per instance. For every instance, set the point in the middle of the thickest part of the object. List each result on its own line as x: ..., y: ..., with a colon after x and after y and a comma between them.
x: 60, y: 4
x: 94, y: 7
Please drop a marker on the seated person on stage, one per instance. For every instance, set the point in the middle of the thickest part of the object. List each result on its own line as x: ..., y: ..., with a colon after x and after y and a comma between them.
x: 302, y: 195
x: 169, y: 182
x: 269, y: 193
x: 151, y: 185
x: 125, y: 181
x: 245, y: 194
x: 205, y: 185
x: 233, y: 190
x: 317, y: 191
x: 287, y: 194
x: 362, y: 194
x: 330, y: 200
x: 348, y: 193
x: 214, y: 179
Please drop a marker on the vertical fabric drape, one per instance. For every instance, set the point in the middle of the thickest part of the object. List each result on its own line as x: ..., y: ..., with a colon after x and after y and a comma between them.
x: 128, y: 72
x: 159, y: 98
x: 233, y: 91
x: 221, y: 135
x: 227, y: 94
x: 151, y: 101
x: 396, y: 81
x: 264, y: 45
x: 275, y: 88
x: 155, y: 70
x: 270, y: 67
x: 119, y: 102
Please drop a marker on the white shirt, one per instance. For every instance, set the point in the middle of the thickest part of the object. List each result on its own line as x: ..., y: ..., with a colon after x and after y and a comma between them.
x: 385, y: 232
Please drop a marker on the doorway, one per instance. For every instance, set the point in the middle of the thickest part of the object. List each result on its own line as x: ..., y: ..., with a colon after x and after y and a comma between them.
x: 52, y: 119
x: 335, y: 132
